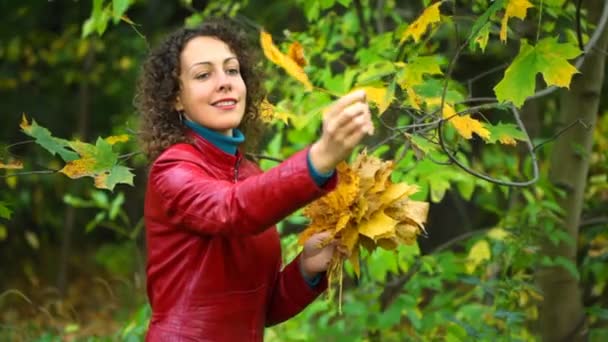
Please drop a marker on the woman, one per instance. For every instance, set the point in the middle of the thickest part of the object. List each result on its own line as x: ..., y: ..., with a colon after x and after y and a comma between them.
x: 214, y: 259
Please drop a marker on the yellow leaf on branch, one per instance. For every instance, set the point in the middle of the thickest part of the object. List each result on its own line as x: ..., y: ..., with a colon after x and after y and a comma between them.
x: 269, y: 113
x: 420, y: 25
x: 479, y: 253
x: 12, y: 165
x: 277, y: 57
x: 515, y: 8
x: 117, y: 139
x: 365, y: 210
x: 378, y: 95
x: 296, y: 52
x: 465, y: 125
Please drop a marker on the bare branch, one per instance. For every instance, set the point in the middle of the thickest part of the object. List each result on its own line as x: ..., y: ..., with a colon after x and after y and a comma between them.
x: 488, y: 178
x: 562, y: 131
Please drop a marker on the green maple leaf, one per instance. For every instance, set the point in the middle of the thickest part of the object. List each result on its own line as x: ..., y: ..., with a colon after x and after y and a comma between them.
x: 47, y: 141
x: 548, y: 57
x: 505, y: 134
x: 117, y: 174
x: 480, y: 32
x: 99, y: 162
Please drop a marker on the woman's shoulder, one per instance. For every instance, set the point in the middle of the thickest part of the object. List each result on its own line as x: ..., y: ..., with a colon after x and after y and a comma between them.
x: 179, y: 151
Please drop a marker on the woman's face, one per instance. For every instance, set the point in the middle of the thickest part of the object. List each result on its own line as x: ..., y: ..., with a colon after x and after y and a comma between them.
x: 212, y: 92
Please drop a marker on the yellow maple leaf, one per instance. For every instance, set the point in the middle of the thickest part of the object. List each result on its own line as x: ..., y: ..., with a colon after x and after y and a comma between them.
x: 465, y: 125
x: 378, y: 95
x: 515, y: 8
x: 479, y: 253
x: 25, y: 125
x: 269, y: 113
x: 296, y: 52
x: 507, y: 140
x: 379, y: 225
x: 79, y: 168
x: 420, y: 25
x: 12, y: 165
x: 117, y: 139
x: 276, y: 56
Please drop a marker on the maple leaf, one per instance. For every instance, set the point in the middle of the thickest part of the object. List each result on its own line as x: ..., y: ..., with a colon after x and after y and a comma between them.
x: 412, y: 74
x: 269, y: 113
x: 465, y: 125
x: 296, y: 52
x: 480, y: 32
x: 507, y: 134
x: 46, y: 140
x: 99, y: 162
x: 479, y: 253
x: 276, y: 56
x: 548, y: 57
x: 12, y: 165
x: 515, y: 8
x: 379, y: 96
x: 366, y: 210
x: 117, y: 139
x: 420, y: 25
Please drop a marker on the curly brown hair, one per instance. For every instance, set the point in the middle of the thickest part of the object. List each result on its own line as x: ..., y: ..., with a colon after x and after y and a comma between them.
x: 159, y: 84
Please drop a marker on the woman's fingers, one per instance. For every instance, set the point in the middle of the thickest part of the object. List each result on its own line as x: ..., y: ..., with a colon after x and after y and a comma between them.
x: 340, y: 125
x: 343, y: 102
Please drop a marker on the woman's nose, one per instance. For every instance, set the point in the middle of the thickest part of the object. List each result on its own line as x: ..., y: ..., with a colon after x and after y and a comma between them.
x: 224, y: 82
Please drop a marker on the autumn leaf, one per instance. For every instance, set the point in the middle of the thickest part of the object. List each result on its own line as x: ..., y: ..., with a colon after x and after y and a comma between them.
x: 515, y: 8
x: 548, y: 57
x: 480, y: 32
x: 117, y: 139
x: 269, y: 113
x: 46, y: 140
x: 379, y: 96
x: 420, y: 25
x: 412, y: 74
x: 12, y: 165
x: 506, y: 134
x: 276, y: 56
x: 99, y: 162
x: 296, y: 53
x: 366, y: 210
x: 465, y: 125
x: 479, y: 253
x: 482, y: 38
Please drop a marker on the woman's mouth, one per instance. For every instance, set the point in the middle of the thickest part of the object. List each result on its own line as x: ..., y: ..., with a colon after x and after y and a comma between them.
x: 225, y: 104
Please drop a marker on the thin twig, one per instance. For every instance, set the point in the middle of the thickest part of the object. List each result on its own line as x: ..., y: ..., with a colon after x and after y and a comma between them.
x: 488, y: 178
x: 562, y: 131
x: 25, y: 173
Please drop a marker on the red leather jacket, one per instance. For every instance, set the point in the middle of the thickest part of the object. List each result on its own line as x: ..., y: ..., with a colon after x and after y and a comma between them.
x: 214, y: 255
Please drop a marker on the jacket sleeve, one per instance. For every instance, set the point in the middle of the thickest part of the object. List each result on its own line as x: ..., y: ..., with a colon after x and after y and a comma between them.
x: 194, y: 200
x: 291, y: 294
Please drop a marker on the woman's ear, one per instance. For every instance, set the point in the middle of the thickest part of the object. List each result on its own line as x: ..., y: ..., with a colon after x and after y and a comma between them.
x: 178, y: 104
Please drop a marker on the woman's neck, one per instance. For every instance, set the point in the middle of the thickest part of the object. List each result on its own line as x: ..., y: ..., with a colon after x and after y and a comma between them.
x: 228, y: 144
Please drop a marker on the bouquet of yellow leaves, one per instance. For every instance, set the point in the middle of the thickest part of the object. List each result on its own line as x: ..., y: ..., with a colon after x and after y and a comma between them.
x: 366, y: 209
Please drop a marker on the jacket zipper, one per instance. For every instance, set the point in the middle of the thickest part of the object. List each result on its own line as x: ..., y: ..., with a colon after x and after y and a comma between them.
x: 236, y: 169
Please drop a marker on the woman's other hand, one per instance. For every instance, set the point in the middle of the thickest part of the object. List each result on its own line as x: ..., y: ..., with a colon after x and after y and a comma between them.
x: 345, y: 123
x: 316, y: 255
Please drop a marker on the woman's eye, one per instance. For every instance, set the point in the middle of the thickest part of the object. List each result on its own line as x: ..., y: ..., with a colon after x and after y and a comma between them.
x: 202, y: 76
x: 233, y: 71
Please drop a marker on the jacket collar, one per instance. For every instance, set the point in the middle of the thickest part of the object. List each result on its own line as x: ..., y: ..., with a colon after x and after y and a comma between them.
x: 213, y: 154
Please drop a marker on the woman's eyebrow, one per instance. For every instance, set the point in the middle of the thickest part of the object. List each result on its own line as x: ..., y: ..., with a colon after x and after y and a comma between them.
x: 210, y: 63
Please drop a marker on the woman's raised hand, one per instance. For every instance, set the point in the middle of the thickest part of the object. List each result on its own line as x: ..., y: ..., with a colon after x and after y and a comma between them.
x: 345, y: 123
